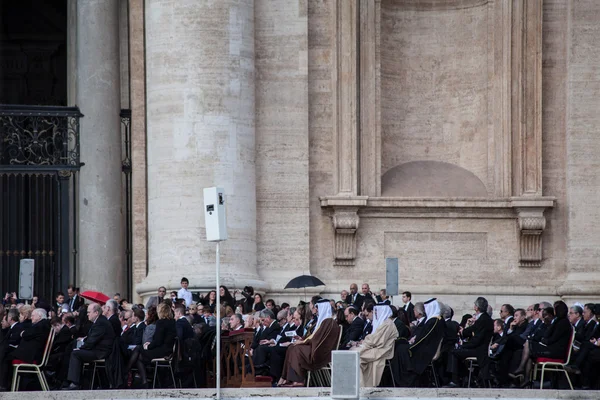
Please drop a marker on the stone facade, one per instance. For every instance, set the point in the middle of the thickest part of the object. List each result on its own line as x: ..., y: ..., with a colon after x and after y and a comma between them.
x: 459, y: 136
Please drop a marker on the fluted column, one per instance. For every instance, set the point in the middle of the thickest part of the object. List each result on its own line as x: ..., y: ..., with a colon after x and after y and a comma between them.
x: 200, y: 116
x: 101, y: 242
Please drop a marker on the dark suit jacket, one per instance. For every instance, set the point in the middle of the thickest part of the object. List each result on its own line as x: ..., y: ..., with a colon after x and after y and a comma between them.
x: 479, y: 335
x: 163, y: 339
x: 450, y: 336
x: 588, y: 330
x: 75, y: 303
x: 538, y: 333
x: 100, y: 338
x: 138, y: 334
x: 580, y: 330
x: 367, y: 329
x: 410, y: 312
x: 282, y: 332
x: 403, y: 330
x: 33, y: 342
x: 507, y: 324
x: 353, y: 333
x: 557, y: 336
x: 270, y: 332
x: 184, y: 329
x: 62, y: 339
x: 12, y: 336
x: 116, y: 324
x: 358, y: 302
x: 531, y: 327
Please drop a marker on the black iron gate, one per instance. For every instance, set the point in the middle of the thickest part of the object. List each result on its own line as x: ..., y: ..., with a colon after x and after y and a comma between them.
x: 39, y: 155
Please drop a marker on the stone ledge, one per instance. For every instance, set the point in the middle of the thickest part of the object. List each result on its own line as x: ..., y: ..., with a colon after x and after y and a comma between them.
x: 306, y: 393
x: 402, y: 203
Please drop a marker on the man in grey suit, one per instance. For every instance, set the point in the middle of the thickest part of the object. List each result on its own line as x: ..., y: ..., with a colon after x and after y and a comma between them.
x: 156, y: 300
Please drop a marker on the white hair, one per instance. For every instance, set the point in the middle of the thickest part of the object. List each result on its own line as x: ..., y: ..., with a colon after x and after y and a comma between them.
x: 40, y: 312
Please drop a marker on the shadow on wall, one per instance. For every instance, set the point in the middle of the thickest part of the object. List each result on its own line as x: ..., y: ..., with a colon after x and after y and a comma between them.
x: 431, y: 179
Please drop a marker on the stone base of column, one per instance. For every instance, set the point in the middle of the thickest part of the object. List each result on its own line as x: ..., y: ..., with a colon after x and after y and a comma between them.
x: 579, y: 285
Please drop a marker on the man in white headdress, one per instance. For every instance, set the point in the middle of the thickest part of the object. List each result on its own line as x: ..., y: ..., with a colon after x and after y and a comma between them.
x: 314, y: 352
x: 377, y: 347
x: 426, y: 343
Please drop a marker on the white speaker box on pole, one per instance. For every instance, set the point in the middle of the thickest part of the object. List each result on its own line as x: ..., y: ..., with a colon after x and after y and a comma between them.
x: 214, y: 214
x: 345, y: 374
x: 26, y: 279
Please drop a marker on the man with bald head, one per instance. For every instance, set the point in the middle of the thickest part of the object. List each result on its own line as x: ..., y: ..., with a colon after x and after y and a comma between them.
x: 97, y: 345
x: 355, y: 299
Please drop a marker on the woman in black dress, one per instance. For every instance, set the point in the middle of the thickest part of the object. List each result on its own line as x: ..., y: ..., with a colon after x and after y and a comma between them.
x: 258, y: 303
x: 161, y: 344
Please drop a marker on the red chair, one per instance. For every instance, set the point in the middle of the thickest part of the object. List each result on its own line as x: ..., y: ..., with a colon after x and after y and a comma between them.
x: 554, y: 364
x: 35, y: 368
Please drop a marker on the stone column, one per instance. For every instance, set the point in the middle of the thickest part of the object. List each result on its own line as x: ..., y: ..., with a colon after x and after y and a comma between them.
x: 201, y: 133
x: 101, y: 242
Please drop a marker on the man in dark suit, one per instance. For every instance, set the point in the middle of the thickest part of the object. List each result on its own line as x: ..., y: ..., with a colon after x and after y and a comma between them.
x: 507, y: 313
x: 182, y: 325
x: 419, y: 323
x: 355, y: 328
x: 590, y: 322
x: 262, y: 353
x: 367, y: 294
x: 477, y: 339
x: 367, y: 316
x: 156, y: 300
x: 75, y: 301
x: 270, y: 327
x: 408, y: 306
x: 354, y: 298
x: 576, y: 319
x: 509, y: 344
x: 11, y: 329
x: 139, y: 326
x: 110, y: 311
x: 97, y: 345
x: 32, y: 345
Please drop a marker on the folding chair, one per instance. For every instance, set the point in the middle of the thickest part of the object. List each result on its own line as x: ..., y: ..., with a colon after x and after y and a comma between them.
x: 24, y: 368
x: 554, y: 364
x: 436, y: 356
x: 166, y: 362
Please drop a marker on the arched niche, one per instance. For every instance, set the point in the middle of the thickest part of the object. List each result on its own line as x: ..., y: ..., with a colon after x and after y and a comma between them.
x: 431, y: 179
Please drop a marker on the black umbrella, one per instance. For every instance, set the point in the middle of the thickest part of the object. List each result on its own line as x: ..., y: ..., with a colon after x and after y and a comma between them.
x: 304, y: 281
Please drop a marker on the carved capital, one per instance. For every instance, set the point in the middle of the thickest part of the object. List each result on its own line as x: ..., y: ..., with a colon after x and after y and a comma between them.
x: 345, y: 223
x: 531, y: 225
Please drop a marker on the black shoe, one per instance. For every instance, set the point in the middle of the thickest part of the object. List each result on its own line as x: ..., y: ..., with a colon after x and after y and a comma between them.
x: 72, y: 386
x: 573, y: 369
x: 451, y: 385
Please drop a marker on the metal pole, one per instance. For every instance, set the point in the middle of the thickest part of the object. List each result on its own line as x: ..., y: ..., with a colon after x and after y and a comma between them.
x: 218, y: 298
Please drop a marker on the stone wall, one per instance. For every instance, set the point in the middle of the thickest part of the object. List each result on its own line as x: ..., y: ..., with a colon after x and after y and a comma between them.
x: 282, y: 195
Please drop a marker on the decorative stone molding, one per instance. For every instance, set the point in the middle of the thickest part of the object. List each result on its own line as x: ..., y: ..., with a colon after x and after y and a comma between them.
x: 531, y: 225
x: 345, y: 223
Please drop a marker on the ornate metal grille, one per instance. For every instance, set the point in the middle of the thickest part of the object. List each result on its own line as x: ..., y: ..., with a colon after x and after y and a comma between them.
x: 39, y: 156
x: 39, y: 136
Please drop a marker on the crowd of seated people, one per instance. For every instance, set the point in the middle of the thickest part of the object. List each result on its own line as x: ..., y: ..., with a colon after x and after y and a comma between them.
x: 421, y: 342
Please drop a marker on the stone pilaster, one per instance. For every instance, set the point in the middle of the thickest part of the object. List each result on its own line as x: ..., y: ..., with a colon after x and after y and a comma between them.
x: 200, y: 133
x: 345, y: 80
x: 101, y: 241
